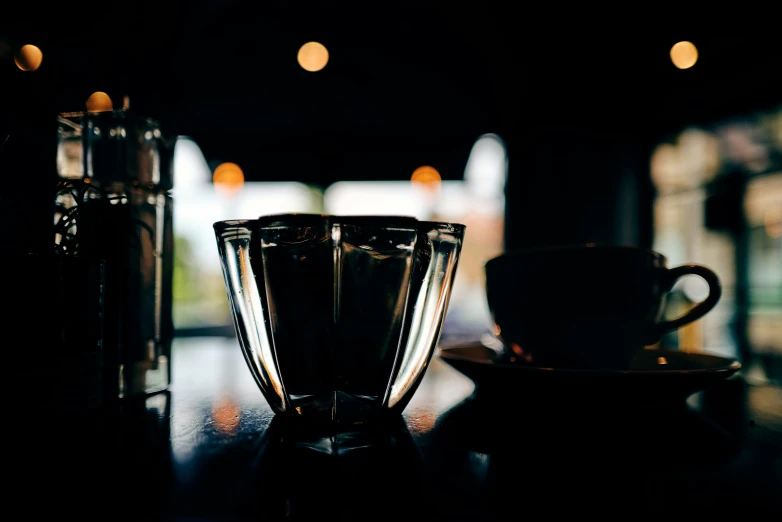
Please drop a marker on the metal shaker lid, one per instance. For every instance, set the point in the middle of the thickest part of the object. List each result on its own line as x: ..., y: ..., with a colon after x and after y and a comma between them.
x: 116, y: 146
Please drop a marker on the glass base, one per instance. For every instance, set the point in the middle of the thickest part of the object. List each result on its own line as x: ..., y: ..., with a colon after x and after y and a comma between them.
x: 337, y: 437
x: 338, y: 410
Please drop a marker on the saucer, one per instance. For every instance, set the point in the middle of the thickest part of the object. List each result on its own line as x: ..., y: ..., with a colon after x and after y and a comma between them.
x: 655, y: 375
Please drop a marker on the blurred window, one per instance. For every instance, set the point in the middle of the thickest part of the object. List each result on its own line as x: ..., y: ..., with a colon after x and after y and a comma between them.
x: 477, y: 200
x: 200, y: 300
x: 719, y: 203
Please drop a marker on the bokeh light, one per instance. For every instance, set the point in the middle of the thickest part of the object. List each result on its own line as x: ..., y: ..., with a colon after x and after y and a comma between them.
x: 313, y: 56
x: 684, y: 54
x: 228, y: 178
x: 99, y: 102
x: 426, y: 175
x: 28, y: 58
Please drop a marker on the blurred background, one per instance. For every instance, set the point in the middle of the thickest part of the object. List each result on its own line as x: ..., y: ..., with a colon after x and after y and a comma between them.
x: 660, y: 129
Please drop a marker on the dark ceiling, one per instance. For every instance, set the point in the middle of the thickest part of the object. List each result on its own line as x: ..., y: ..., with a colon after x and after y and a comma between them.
x: 406, y: 84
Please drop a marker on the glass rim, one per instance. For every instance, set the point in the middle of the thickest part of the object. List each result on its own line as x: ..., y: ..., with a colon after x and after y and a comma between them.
x: 381, y: 220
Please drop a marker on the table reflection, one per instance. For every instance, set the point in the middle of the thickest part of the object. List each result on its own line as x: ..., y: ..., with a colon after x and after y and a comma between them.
x: 298, y: 474
x: 211, y: 449
x: 505, y: 460
x: 115, y: 464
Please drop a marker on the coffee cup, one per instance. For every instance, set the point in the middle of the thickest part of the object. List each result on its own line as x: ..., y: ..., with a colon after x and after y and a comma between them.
x: 586, y: 306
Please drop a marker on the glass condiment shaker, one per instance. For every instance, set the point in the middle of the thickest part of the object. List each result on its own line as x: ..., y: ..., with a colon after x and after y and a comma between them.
x: 113, y: 201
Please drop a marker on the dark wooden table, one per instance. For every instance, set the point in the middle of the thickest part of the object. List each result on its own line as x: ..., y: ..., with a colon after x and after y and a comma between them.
x: 211, y: 449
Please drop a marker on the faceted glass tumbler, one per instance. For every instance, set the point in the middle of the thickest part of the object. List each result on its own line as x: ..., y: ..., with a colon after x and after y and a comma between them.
x: 338, y: 316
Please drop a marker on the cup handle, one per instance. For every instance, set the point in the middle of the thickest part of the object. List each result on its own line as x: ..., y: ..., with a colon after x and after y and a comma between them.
x: 715, y: 291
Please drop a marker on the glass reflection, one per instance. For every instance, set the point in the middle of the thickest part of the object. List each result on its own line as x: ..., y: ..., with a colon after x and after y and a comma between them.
x: 380, y: 474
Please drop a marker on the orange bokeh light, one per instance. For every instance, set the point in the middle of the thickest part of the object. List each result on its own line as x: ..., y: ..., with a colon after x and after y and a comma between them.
x: 28, y: 58
x: 313, y: 56
x: 427, y: 176
x: 99, y: 102
x: 684, y: 54
x: 228, y: 177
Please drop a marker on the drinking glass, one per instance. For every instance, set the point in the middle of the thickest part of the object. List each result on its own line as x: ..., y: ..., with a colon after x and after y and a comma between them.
x: 338, y: 316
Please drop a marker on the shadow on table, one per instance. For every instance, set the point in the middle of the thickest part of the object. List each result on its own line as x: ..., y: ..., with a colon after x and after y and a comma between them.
x: 115, y: 464
x: 302, y: 474
x: 497, y: 461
